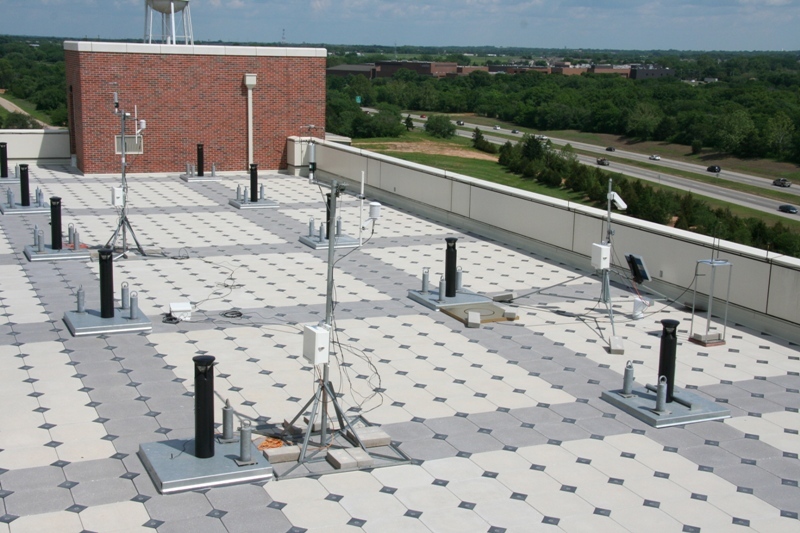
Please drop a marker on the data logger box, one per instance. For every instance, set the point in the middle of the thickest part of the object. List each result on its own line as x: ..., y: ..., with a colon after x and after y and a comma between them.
x: 601, y: 256
x: 316, y: 341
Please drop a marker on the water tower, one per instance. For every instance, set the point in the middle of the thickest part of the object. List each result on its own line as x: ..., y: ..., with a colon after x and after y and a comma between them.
x: 176, y: 21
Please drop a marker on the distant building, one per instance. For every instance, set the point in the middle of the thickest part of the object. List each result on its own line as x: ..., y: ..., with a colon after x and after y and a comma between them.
x: 646, y: 72
x: 619, y: 70
x: 387, y: 69
x: 368, y: 70
x: 569, y: 70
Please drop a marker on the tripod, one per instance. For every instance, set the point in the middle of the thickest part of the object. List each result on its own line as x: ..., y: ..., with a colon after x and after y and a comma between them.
x: 324, y: 392
x: 123, y: 224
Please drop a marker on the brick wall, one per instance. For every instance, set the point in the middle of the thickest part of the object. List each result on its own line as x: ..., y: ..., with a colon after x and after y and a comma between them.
x: 188, y: 99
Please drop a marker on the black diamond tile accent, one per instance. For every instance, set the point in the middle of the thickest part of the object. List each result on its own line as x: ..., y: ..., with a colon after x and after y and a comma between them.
x: 388, y: 490
x: 153, y: 524
x: 464, y: 455
x: 216, y: 513
x: 68, y: 484
x: 357, y: 522
x: 495, y: 529
x: 440, y: 482
x: 60, y: 464
x: 651, y: 503
x: 75, y: 508
x: 519, y: 496
x: 616, y: 481
x: 662, y: 475
x: 568, y: 488
x: 4, y: 493
x: 701, y: 497
x: 129, y: 475
x: 690, y: 529
x: 602, y: 512
x: 332, y: 497
x: 540, y: 468
x: 413, y: 514
x: 140, y: 498
x: 489, y: 474
x: 551, y: 520
x: 745, y: 490
x: 8, y: 518
x: 466, y: 505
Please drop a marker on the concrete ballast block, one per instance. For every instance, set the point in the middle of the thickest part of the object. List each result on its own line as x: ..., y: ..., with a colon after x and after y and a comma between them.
x: 284, y: 454
x: 371, y: 436
x: 341, y: 460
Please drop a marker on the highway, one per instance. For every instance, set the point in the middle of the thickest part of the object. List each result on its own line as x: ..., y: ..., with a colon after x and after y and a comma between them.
x: 752, y: 201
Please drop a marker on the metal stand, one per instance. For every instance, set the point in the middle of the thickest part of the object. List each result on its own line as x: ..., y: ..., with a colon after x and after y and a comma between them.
x: 324, y: 392
x: 123, y: 224
x: 615, y: 345
x: 710, y: 339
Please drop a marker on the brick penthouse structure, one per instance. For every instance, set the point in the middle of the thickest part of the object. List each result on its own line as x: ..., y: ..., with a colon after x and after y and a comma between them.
x: 191, y: 95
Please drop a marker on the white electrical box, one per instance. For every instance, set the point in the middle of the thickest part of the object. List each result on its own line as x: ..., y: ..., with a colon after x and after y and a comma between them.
x: 117, y: 197
x: 316, y: 340
x: 181, y: 310
x: 601, y: 256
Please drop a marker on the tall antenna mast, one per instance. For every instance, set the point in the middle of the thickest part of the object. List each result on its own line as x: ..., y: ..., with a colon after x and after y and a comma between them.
x: 283, y: 36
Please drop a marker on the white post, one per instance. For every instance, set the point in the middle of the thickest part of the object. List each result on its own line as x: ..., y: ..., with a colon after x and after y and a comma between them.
x: 250, y: 83
x: 361, y: 212
x: 172, y: 21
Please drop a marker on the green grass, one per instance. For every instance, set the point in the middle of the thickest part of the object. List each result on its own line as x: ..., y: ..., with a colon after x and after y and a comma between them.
x: 493, y: 172
x: 26, y: 106
x: 765, y: 168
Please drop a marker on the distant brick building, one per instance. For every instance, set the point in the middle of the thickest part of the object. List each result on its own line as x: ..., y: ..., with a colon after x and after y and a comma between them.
x: 387, y: 69
x: 646, y: 72
x: 367, y: 70
x: 618, y: 70
x: 191, y: 95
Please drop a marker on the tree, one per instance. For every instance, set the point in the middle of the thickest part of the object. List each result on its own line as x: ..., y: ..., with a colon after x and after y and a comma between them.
x: 20, y: 121
x: 732, y: 129
x: 778, y: 133
x: 409, y: 124
x: 440, y: 126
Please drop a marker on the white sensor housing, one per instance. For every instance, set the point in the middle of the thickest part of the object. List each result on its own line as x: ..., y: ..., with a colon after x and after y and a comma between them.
x: 316, y: 341
x: 374, y: 210
x: 117, y: 196
x: 601, y: 256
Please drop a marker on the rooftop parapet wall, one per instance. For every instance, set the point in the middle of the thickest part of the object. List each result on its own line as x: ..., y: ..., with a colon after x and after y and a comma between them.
x: 765, y: 286
x: 191, y: 95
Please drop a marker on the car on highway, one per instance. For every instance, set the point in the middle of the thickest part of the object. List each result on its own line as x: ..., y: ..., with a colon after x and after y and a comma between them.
x: 610, y: 149
x: 459, y: 122
x: 714, y: 168
x: 655, y: 157
x: 603, y: 161
x: 782, y: 182
x: 788, y: 209
x: 514, y: 131
x: 423, y: 116
x: 496, y: 127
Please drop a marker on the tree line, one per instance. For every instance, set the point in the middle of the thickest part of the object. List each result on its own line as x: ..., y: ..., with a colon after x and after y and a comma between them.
x: 536, y: 159
x: 33, y: 70
x: 752, y: 111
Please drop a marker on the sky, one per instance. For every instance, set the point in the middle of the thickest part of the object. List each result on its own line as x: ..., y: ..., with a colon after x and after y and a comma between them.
x: 572, y: 24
